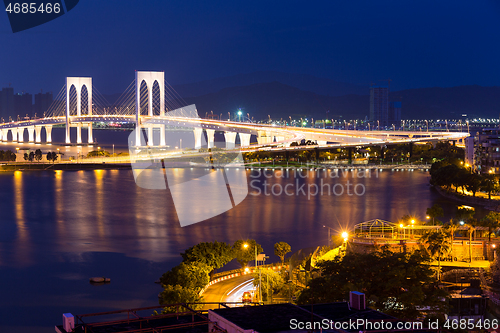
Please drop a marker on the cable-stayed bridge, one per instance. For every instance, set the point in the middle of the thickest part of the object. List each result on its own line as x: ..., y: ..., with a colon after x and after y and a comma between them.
x: 152, y: 105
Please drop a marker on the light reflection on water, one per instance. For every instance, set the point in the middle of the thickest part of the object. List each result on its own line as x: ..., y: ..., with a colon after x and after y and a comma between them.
x: 58, y: 228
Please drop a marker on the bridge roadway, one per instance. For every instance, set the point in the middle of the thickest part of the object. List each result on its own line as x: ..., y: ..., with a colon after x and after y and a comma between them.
x: 268, y: 136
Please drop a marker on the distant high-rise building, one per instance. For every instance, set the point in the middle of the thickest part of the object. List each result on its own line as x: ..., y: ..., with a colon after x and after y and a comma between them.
x: 42, y: 103
x: 23, y: 105
x: 379, y: 105
x: 482, y: 152
x: 394, y: 113
x: 7, y: 104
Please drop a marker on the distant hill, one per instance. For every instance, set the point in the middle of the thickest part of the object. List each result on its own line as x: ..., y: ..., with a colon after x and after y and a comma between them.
x: 280, y: 101
x: 305, y: 82
x: 433, y: 103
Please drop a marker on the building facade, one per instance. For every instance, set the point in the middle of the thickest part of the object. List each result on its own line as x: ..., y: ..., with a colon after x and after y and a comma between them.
x: 483, y: 152
x: 7, y: 104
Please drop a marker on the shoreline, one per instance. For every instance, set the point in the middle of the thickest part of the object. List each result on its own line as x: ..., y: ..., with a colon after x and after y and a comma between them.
x: 490, y: 204
x: 22, y: 166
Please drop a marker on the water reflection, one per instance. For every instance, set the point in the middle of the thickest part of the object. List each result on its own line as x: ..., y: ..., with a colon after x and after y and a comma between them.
x: 23, y: 243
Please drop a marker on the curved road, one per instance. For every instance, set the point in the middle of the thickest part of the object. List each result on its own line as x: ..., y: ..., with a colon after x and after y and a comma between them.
x: 229, y: 290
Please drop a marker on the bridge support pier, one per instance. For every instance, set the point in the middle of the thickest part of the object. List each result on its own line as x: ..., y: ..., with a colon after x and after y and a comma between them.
x: 68, y: 138
x: 264, y: 137
x: 162, y: 136
x: 20, y: 134
x: 38, y: 132
x: 350, y: 155
x: 230, y: 139
x: 14, y: 134
x: 138, y: 129
x: 5, y: 133
x: 210, y: 137
x: 79, y: 133
x: 197, y: 137
x: 150, y: 135
x: 48, y: 131
x: 91, y: 137
x: 31, y: 133
x: 245, y: 139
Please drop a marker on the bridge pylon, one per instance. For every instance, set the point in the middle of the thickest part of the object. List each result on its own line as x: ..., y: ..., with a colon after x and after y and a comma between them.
x: 78, y: 83
x: 149, y: 78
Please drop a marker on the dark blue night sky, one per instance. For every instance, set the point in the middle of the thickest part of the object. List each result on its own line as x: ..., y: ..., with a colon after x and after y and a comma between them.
x: 415, y: 43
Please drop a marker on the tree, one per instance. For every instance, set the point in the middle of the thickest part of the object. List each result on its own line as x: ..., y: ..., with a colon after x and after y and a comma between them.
x: 272, y: 282
x: 246, y: 254
x: 31, y: 156
x: 464, y: 214
x: 438, y: 245
x: 38, y: 155
x: 473, y: 183
x: 214, y: 254
x: 98, y: 153
x: 281, y: 249
x: 192, y: 275
x: 451, y: 228
x: 26, y: 156
x: 489, y: 184
x: 174, y: 294
x: 492, y: 221
x: 399, y: 284
x: 434, y: 212
x: 51, y: 156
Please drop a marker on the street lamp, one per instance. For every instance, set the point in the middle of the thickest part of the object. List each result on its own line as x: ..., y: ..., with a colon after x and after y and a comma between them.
x: 412, y: 231
x: 260, y: 275
x: 329, y: 237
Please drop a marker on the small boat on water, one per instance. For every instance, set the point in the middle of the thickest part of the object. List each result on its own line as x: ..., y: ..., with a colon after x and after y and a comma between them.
x: 100, y: 280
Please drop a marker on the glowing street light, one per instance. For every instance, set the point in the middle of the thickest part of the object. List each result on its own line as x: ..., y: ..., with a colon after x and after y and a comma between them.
x: 260, y: 275
x: 345, y: 236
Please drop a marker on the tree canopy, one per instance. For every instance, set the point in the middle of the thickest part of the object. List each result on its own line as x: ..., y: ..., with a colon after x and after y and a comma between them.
x: 192, y: 275
x: 246, y: 254
x: 214, y: 254
x: 438, y: 245
x: 281, y: 249
x: 174, y: 294
x: 395, y: 283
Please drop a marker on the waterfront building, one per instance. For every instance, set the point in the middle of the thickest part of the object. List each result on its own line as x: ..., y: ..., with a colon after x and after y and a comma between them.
x: 482, y: 152
x: 23, y: 105
x: 7, y: 103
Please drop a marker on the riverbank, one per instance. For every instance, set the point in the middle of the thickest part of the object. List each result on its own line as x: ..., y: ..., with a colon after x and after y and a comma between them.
x: 491, y: 204
x: 63, y: 166
x: 20, y: 166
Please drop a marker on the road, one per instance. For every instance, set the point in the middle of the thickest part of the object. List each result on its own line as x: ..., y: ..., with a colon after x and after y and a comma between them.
x: 229, y: 290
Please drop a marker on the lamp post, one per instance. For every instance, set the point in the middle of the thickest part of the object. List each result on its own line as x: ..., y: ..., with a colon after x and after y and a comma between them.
x: 329, y: 237
x: 260, y: 275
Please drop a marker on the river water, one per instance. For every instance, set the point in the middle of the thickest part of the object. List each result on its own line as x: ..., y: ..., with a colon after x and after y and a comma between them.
x: 58, y: 228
